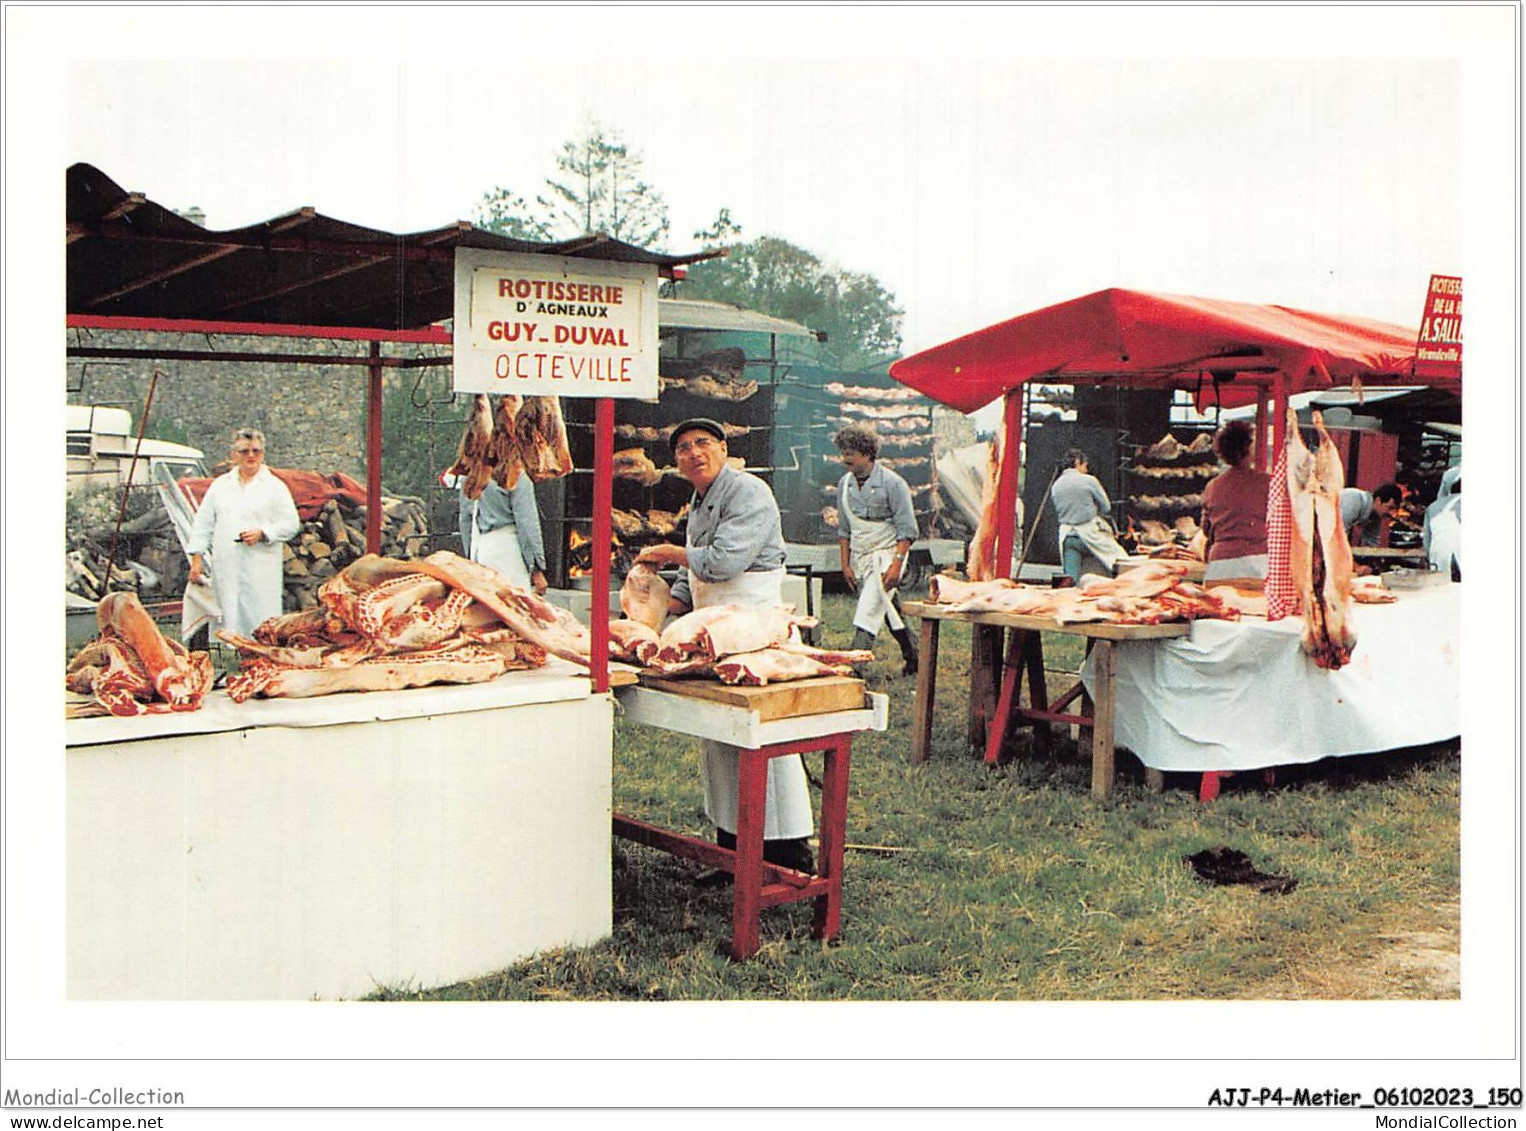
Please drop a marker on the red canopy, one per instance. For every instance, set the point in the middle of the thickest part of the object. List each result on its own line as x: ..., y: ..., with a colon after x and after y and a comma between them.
x: 1135, y: 339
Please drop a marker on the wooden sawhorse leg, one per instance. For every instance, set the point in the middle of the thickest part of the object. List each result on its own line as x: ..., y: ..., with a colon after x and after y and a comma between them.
x: 985, y: 678
x: 749, y: 893
x: 1025, y: 656
x: 757, y: 884
x: 927, y: 686
x: 1104, y: 678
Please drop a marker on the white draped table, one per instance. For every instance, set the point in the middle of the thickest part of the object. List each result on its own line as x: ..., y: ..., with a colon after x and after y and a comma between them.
x: 328, y: 847
x: 1242, y: 695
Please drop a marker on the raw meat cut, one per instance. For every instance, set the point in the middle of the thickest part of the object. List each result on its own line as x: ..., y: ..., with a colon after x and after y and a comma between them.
x: 388, y: 624
x: 947, y: 590
x: 505, y: 454
x: 474, y: 460
x: 132, y: 668
x: 1319, y: 557
x: 981, y: 563
x: 773, y: 665
x: 828, y: 655
x: 724, y: 630
x: 553, y: 628
x: 644, y: 596
x: 629, y: 639
x: 464, y: 664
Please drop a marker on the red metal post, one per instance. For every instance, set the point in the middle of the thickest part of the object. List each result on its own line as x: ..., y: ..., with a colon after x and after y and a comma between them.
x: 1006, y: 500
x: 603, y: 502
x: 1262, y: 461
x: 1280, y: 414
x: 374, y: 454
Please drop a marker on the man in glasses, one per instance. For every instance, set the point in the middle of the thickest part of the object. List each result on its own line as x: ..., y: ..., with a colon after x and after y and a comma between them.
x: 244, y: 517
x: 734, y: 555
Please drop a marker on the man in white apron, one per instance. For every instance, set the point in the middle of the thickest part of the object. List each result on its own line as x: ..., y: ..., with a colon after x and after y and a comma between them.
x: 243, y: 518
x: 734, y: 555
x: 875, y: 529
x: 1081, y: 505
x: 501, y: 529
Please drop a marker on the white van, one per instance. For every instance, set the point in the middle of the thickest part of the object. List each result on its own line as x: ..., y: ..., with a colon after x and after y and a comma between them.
x: 100, y: 443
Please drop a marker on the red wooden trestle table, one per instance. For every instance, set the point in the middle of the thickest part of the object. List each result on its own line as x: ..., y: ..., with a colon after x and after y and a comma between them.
x: 757, y: 884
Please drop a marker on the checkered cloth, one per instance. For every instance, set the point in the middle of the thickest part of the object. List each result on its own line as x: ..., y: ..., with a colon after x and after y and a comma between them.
x: 1281, y: 596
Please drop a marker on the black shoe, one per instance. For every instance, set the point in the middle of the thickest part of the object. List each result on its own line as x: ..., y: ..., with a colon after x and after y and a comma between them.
x: 794, y: 854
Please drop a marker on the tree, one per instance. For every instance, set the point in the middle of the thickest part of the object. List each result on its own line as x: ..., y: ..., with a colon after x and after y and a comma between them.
x: 774, y: 276
x: 598, y: 188
x: 505, y: 212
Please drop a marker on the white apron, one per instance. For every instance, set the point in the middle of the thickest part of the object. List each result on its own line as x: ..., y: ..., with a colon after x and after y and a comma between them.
x: 871, y: 546
x: 789, y: 796
x: 500, y: 550
x: 1097, y: 537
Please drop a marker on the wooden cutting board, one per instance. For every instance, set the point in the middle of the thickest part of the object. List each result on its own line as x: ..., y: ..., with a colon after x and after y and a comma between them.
x: 816, y: 696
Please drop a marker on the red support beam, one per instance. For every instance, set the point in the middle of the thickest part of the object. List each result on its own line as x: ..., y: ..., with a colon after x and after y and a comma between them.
x: 603, y: 504
x: 430, y: 335
x: 374, y: 454
x: 1262, y: 463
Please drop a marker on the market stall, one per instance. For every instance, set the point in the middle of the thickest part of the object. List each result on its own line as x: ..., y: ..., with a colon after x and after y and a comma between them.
x: 1226, y: 353
x: 330, y: 846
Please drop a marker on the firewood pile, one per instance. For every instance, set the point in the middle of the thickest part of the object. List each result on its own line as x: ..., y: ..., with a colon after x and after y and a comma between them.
x: 336, y: 536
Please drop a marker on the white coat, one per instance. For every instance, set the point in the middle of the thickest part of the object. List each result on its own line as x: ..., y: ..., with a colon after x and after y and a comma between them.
x: 247, y: 579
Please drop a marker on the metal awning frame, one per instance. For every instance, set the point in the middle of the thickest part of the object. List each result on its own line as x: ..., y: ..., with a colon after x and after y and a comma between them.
x: 604, y: 417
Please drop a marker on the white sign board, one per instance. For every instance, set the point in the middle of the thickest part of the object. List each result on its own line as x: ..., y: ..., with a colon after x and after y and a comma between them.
x: 546, y: 325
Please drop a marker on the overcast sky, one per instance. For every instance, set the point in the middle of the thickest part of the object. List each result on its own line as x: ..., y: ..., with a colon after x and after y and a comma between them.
x: 974, y: 189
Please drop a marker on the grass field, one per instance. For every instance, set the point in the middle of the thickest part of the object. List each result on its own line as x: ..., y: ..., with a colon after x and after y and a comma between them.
x: 1012, y: 883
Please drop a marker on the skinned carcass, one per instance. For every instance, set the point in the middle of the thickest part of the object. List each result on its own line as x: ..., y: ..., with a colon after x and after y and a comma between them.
x: 474, y: 459
x: 981, y: 562
x: 1319, y: 556
x: 132, y: 668
x: 541, y: 435
x: 724, y: 630
x: 773, y: 665
x: 469, y: 663
x: 388, y: 624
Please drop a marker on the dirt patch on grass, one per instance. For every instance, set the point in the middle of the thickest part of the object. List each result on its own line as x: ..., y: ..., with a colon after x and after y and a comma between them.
x: 1423, y: 963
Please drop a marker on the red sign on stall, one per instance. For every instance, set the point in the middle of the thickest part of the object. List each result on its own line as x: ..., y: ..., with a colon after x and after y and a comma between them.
x: 1438, y: 351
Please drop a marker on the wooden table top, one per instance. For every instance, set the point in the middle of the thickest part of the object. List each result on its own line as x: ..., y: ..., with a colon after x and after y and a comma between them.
x: 1389, y: 553
x: 1098, y: 630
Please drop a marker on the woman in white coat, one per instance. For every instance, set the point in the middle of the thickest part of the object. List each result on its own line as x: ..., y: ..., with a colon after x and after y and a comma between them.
x: 244, y: 517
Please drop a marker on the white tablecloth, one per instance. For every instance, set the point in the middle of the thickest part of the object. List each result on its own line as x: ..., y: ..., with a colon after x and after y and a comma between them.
x: 1240, y: 695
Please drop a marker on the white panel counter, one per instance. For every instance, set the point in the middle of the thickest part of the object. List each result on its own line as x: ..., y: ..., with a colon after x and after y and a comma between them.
x: 328, y: 847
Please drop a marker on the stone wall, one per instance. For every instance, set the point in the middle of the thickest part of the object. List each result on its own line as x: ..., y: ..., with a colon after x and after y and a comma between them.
x: 313, y: 416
